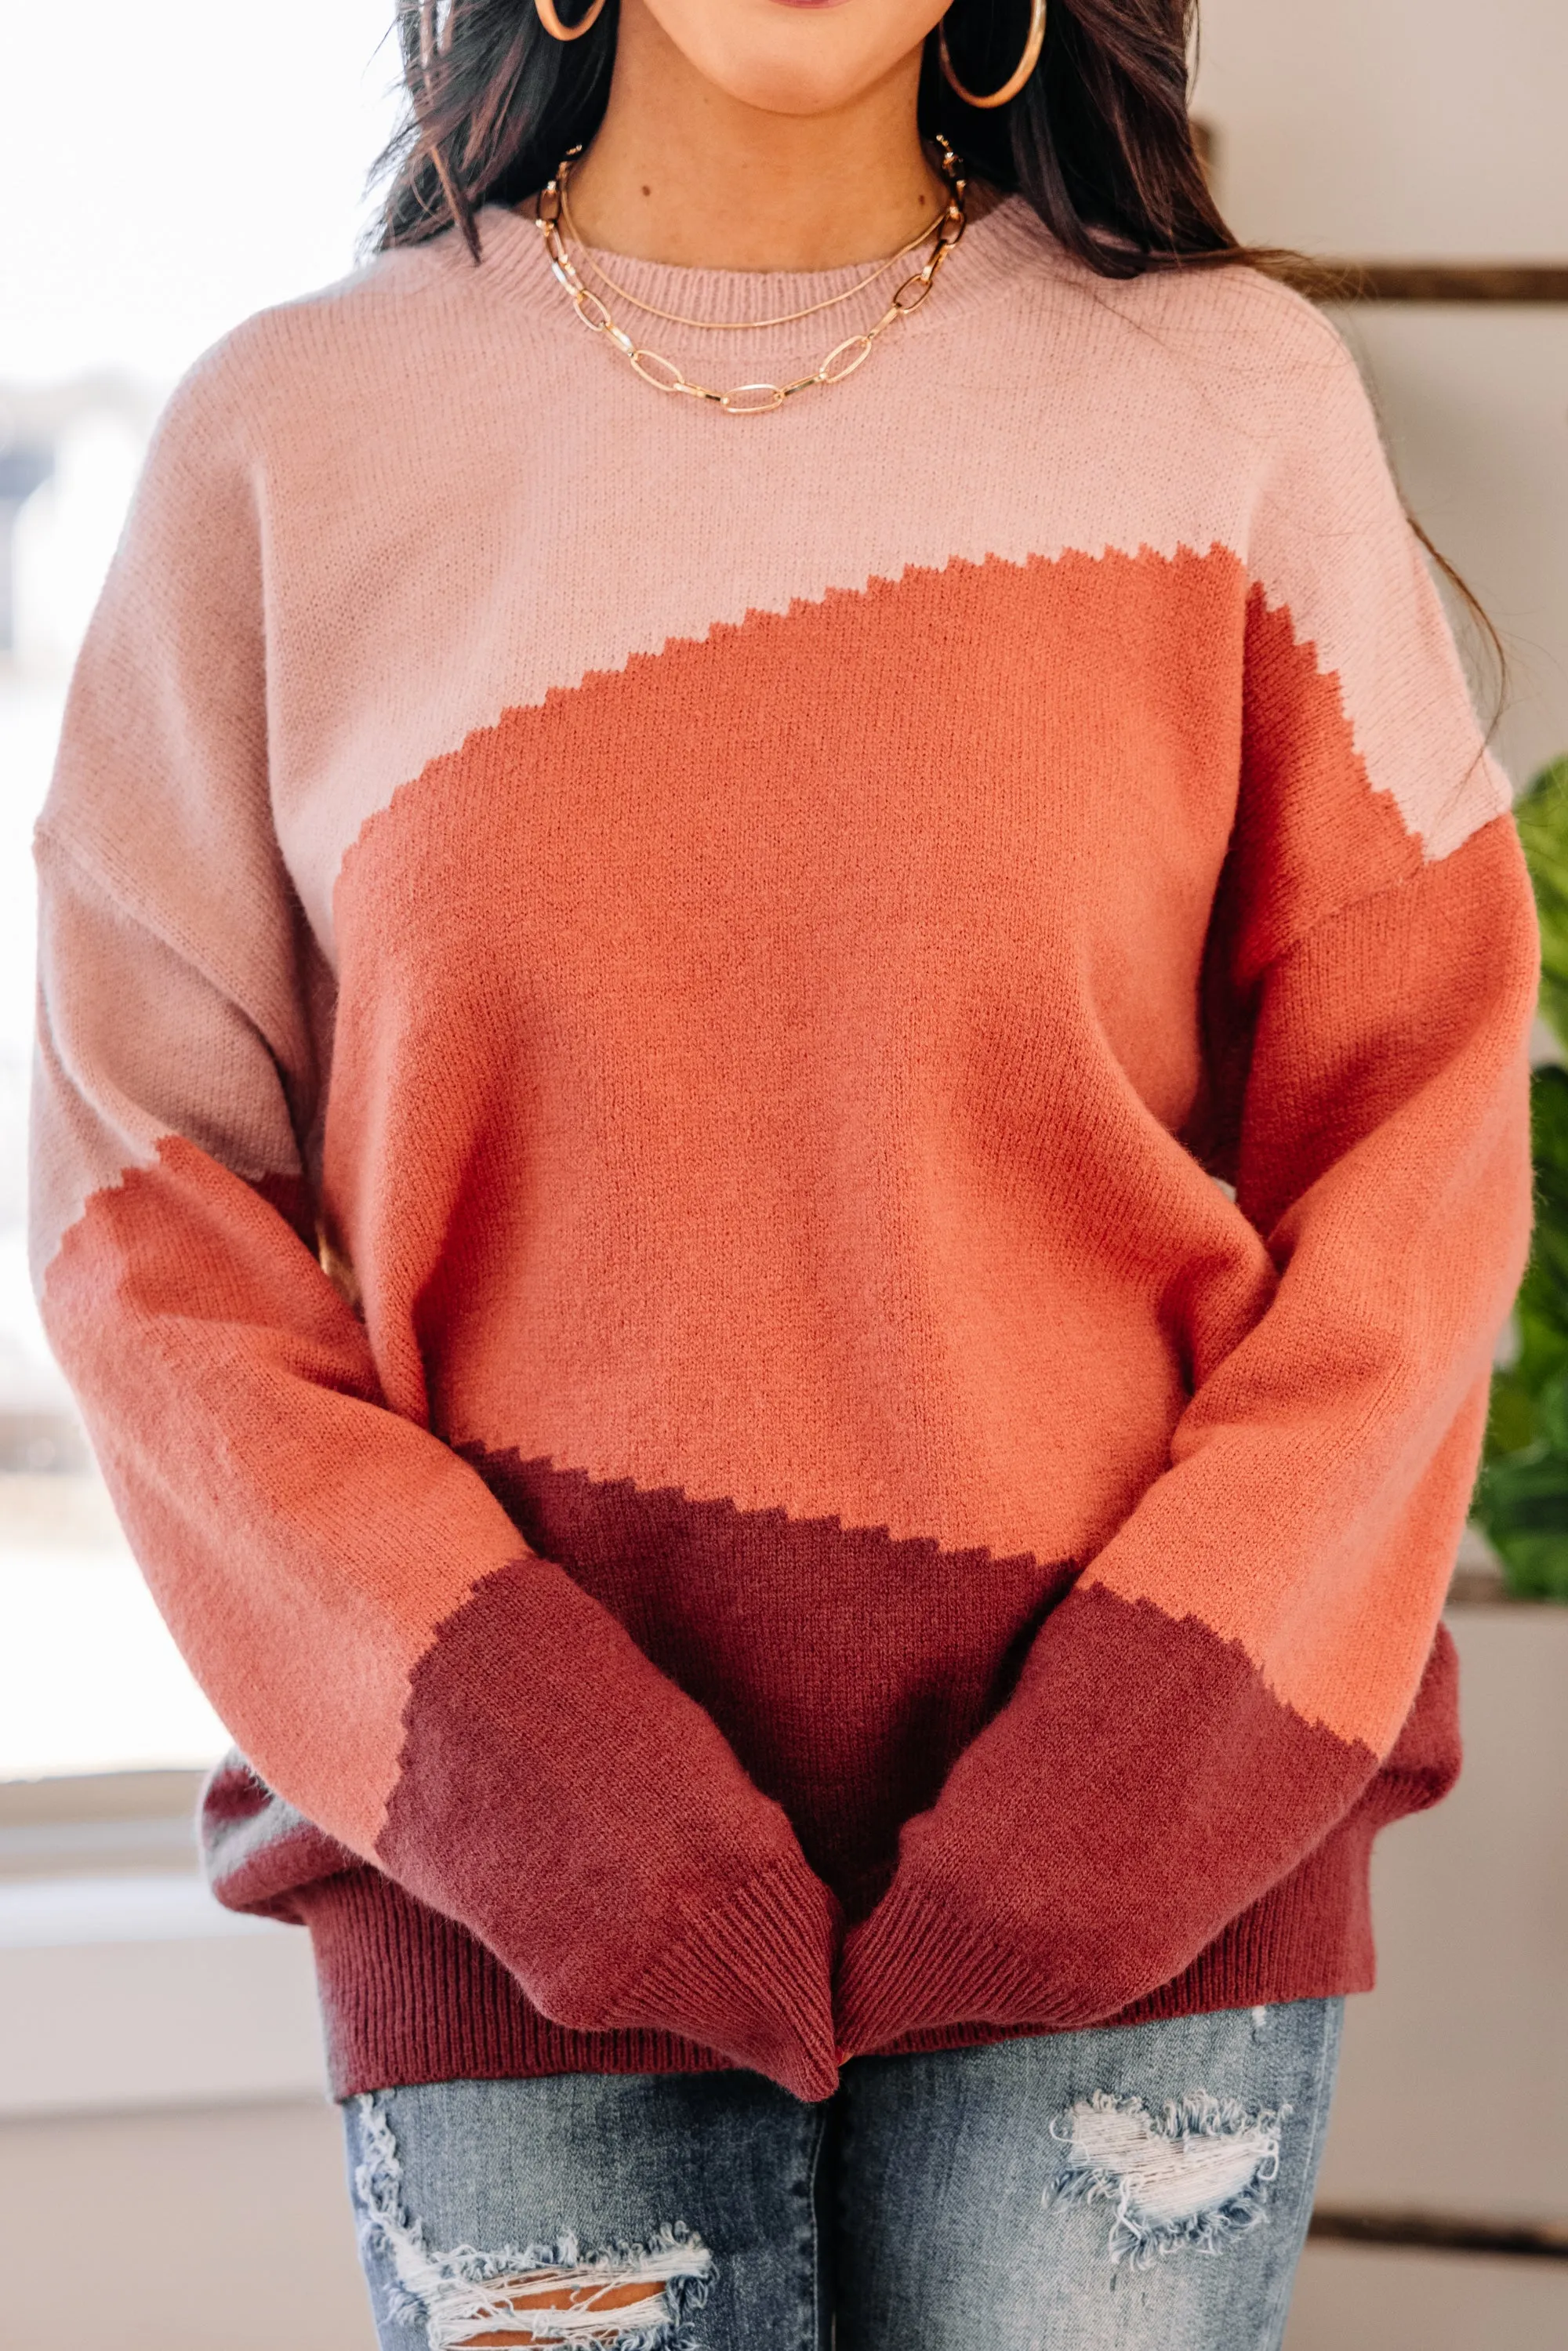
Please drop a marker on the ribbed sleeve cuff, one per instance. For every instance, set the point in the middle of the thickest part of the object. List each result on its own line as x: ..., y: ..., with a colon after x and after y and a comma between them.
x: 913, y: 1964
x: 408, y: 1995
x: 752, y: 1978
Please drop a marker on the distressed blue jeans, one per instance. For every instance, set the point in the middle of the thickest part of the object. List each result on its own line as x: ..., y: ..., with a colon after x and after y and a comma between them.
x: 1140, y: 2188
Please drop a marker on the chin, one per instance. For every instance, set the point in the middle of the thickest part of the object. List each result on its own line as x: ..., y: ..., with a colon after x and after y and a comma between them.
x: 800, y: 92
x: 796, y: 74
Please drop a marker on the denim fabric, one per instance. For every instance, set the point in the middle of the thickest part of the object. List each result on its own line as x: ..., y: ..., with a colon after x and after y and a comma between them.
x: 1139, y: 2189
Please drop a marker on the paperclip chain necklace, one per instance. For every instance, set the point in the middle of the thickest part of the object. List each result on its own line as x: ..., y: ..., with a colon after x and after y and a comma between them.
x: 747, y: 399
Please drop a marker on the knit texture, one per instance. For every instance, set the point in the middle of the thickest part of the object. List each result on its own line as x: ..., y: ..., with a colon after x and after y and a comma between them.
x: 779, y: 1156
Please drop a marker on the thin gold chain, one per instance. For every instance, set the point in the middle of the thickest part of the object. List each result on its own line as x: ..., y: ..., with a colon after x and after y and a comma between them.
x: 725, y: 325
x: 747, y: 399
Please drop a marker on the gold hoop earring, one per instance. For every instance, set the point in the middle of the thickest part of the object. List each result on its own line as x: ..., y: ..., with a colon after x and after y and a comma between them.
x: 1015, y: 82
x: 559, y: 32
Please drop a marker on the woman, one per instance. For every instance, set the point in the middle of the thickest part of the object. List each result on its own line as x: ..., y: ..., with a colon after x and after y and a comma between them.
x: 778, y: 1152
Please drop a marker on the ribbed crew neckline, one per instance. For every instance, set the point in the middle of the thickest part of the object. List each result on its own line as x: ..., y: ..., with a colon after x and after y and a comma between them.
x: 990, y: 257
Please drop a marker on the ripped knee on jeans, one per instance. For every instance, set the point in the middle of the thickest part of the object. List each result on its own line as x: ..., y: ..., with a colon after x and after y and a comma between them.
x: 1196, y: 2175
x: 621, y: 2297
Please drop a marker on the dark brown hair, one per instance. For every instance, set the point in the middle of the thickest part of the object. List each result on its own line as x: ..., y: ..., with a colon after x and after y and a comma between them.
x: 1098, y: 140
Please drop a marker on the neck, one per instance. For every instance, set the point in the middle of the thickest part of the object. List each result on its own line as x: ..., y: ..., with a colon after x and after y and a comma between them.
x: 681, y: 172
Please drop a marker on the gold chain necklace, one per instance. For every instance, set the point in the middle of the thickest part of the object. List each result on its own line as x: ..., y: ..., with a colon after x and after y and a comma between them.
x: 747, y: 399
x: 725, y: 326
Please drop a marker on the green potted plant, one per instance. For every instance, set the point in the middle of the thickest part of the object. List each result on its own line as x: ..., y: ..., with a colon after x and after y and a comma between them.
x: 1522, y: 1498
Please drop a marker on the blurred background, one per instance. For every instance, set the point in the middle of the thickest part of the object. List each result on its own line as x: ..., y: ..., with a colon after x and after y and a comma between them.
x: 168, y: 2165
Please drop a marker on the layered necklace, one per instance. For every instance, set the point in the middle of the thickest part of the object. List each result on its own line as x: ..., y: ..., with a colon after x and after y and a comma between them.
x: 554, y: 225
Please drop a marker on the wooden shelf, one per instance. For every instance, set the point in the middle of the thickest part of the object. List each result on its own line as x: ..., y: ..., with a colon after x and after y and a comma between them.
x: 1443, y: 2232
x: 1450, y: 281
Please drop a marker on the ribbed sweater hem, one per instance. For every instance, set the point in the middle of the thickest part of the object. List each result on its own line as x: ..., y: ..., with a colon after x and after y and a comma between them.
x: 408, y: 1996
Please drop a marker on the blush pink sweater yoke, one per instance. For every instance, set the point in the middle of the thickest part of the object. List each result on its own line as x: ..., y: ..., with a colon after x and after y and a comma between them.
x: 778, y: 1156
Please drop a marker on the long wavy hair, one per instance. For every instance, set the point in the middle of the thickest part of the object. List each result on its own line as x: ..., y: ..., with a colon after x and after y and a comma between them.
x: 1098, y: 140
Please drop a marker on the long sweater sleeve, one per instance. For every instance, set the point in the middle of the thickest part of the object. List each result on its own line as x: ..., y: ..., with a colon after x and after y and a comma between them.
x: 1236, y: 1664
x: 365, y: 1616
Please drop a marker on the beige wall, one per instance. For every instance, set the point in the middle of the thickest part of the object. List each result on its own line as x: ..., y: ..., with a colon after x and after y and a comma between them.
x: 1403, y: 127
x: 1414, y: 128
x: 205, y: 2229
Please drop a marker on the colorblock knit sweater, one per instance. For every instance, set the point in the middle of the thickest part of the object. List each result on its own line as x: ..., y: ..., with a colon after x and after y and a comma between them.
x: 779, y: 1156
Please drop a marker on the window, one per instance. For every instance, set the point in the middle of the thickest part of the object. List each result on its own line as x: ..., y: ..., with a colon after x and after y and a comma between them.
x: 200, y: 166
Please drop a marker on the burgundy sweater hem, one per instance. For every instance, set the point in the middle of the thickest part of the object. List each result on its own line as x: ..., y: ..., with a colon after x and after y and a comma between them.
x: 408, y: 1996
